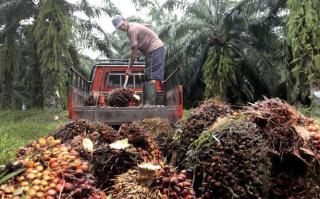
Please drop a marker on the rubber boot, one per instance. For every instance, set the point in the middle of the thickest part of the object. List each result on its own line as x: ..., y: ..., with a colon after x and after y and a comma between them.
x: 150, y: 93
x: 143, y: 96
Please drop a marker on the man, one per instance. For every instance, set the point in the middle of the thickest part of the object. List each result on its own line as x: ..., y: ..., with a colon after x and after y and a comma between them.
x: 142, y: 38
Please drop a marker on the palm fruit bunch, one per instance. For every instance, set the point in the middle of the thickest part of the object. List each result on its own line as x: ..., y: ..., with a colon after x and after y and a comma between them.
x: 52, y: 171
x: 276, y: 119
x: 162, y: 132
x: 285, y: 186
x: 142, y: 141
x: 121, y: 97
x: 95, y: 131
x: 75, y: 133
x: 231, y: 162
x: 272, y: 112
x: 67, y: 132
x: 202, y: 117
x: 91, y: 101
x: 293, y: 176
x: 114, y: 159
x: 152, y: 181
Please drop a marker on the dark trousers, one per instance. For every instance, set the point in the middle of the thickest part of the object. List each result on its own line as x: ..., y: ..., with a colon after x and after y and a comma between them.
x: 154, y: 69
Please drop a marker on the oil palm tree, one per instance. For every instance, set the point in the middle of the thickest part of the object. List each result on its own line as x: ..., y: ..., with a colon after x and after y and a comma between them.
x: 17, y: 44
x: 11, y: 15
x: 223, y: 40
x: 303, y: 35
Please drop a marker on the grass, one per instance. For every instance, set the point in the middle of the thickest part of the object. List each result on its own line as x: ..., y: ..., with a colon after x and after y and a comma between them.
x: 17, y: 128
x: 186, y: 113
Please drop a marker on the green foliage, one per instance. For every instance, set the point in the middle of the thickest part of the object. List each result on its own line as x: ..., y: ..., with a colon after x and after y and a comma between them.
x: 218, y: 70
x: 304, y: 37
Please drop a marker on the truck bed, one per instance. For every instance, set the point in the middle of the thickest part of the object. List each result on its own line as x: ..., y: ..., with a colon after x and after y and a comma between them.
x: 173, y: 110
x: 120, y: 115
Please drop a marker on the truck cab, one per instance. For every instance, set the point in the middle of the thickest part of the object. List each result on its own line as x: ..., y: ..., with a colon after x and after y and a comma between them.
x: 107, y: 75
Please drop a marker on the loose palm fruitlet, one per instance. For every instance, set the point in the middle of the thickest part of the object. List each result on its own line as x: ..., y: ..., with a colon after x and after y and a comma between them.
x: 121, y: 97
x: 52, y: 170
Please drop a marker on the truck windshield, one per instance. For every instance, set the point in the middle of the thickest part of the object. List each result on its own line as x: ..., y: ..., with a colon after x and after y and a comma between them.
x: 116, y: 80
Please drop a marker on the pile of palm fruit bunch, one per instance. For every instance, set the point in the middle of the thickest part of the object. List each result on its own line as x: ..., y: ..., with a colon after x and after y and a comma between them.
x: 163, y: 133
x: 267, y: 150
x: 151, y: 181
x: 112, y: 152
x: 122, y: 97
x: 51, y: 170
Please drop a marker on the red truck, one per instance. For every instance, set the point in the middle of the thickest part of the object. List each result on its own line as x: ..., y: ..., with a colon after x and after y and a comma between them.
x: 107, y: 75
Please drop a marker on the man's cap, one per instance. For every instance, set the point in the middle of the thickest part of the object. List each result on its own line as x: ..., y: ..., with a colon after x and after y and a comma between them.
x: 117, y: 21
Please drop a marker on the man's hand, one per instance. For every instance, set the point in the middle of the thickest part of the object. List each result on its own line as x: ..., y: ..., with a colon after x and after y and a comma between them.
x: 128, y: 71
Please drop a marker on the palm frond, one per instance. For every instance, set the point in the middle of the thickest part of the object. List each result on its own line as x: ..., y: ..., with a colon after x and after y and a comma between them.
x: 175, y: 4
x: 143, y: 3
x: 201, y: 11
x: 110, y: 9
